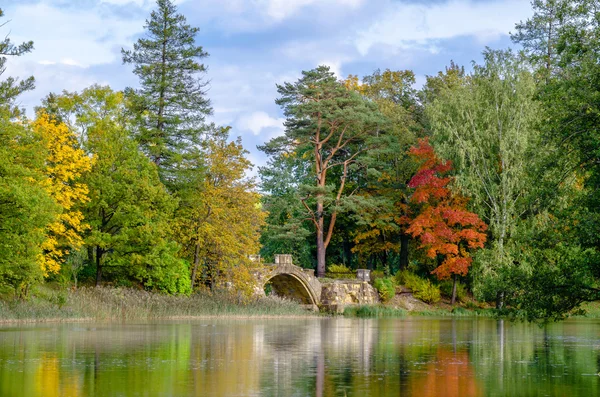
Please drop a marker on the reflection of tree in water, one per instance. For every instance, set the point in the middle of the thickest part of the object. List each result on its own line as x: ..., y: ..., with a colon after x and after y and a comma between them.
x: 449, y: 374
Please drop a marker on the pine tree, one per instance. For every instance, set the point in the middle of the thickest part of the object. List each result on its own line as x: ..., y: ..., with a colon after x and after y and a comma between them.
x: 171, y: 105
x: 12, y: 87
x: 330, y: 128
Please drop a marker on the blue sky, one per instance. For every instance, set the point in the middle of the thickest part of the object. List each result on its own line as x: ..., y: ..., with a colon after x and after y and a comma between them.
x: 254, y: 44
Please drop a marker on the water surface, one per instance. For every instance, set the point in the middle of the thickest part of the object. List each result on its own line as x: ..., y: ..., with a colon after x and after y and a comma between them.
x: 413, y: 356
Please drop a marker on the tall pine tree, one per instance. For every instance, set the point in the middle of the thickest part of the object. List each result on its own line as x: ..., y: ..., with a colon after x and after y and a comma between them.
x: 171, y: 104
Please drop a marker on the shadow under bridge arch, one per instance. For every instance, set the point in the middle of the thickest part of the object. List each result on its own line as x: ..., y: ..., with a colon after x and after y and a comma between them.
x: 294, y: 283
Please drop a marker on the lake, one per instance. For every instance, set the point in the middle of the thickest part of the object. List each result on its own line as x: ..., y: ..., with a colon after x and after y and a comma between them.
x: 412, y: 356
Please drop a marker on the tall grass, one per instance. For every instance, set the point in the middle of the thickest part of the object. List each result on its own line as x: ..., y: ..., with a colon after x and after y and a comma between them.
x: 129, y: 304
x: 374, y: 311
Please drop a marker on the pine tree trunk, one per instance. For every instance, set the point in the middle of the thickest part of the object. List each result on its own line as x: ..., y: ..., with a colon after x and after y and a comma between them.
x: 320, y: 239
x: 453, y: 301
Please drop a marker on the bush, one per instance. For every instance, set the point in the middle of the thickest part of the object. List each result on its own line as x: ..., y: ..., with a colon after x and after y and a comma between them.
x: 428, y: 292
x: 337, y: 272
x: 421, y: 288
x: 461, y: 290
x: 386, y: 288
x: 338, y: 269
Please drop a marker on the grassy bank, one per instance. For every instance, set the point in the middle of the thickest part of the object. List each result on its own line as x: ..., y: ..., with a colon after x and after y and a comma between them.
x: 46, y: 304
x: 377, y: 311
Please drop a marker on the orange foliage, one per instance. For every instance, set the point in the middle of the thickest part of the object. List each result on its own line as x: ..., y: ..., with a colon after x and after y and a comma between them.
x: 448, y: 374
x: 443, y: 225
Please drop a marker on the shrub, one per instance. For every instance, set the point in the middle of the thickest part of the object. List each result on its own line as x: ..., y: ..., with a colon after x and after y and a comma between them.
x: 428, y: 292
x: 386, y: 288
x: 421, y: 288
x: 338, y: 269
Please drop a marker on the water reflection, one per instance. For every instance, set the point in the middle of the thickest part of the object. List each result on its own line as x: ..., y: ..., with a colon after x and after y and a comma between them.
x: 322, y: 357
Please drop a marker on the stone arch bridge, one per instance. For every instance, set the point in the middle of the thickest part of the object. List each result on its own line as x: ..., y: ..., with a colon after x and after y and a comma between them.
x: 301, y: 285
x: 289, y: 280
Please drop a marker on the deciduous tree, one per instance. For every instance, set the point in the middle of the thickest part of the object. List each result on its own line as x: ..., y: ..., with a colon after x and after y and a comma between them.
x: 446, y: 230
x: 65, y: 164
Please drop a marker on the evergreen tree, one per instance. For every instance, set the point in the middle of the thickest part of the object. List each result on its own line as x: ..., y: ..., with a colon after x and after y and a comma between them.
x: 171, y: 104
x: 12, y: 87
x: 330, y: 128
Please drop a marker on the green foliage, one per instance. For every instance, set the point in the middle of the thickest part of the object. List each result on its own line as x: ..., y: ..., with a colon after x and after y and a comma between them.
x: 328, y: 128
x: 338, y: 269
x: 421, y: 288
x: 461, y: 290
x: 498, y: 157
x: 25, y: 207
x: 386, y: 288
x: 130, y: 210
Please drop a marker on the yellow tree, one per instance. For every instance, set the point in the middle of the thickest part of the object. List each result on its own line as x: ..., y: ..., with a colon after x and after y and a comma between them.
x: 64, y: 165
x: 221, y: 217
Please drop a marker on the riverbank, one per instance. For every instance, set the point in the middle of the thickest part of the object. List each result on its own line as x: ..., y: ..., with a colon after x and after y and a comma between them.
x: 122, y: 304
x: 47, y: 304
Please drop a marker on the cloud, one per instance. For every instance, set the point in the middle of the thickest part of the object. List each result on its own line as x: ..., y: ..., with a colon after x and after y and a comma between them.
x: 406, y: 26
x: 258, y: 121
x: 75, y: 36
x: 283, y: 9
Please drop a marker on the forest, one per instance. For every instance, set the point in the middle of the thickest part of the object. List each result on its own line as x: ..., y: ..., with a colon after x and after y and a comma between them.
x: 484, y: 180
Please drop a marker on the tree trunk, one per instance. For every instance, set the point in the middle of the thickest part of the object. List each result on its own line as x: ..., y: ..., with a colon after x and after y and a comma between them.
x: 196, y: 263
x: 347, y: 252
x: 99, y: 255
x: 320, y: 240
x: 500, y: 300
x: 453, y: 301
x: 404, y: 240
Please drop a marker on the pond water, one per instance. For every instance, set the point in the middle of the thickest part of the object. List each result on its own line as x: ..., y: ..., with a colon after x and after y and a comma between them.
x: 413, y: 356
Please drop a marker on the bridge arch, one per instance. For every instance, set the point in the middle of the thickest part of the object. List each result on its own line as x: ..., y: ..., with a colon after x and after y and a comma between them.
x: 293, y: 282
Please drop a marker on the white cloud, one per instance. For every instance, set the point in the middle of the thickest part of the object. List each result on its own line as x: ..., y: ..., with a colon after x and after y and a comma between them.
x: 258, y: 121
x: 334, y: 66
x: 282, y: 9
x: 82, y: 37
x: 415, y: 26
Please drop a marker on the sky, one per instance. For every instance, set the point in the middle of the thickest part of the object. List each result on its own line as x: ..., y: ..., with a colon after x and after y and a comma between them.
x: 254, y: 45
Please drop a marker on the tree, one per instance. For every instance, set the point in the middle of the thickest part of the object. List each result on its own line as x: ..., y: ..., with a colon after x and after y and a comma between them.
x: 383, y: 191
x: 287, y: 230
x: 487, y: 127
x: 330, y: 127
x: 443, y: 225
x: 130, y: 210
x: 540, y: 35
x: 12, y: 87
x: 221, y: 226
x: 26, y: 208
x: 64, y: 166
x: 171, y: 104
x: 566, y: 241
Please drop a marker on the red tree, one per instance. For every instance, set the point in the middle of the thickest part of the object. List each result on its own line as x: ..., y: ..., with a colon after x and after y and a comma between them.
x: 443, y: 225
